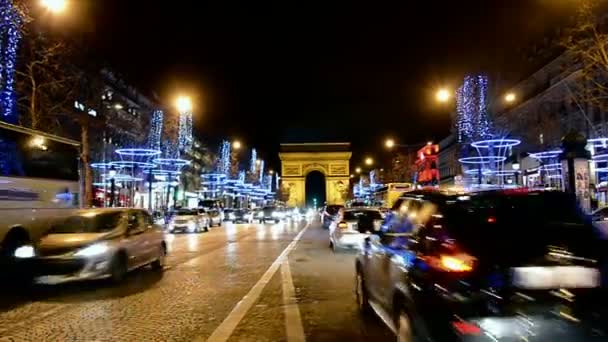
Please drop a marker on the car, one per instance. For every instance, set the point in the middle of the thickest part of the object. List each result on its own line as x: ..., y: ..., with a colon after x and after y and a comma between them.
x: 258, y: 215
x: 229, y: 215
x: 95, y: 244
x: 498, y: 265
x: 215, y: 217
x: 189, y: 221
x: 353, y: 227
x: 243, y: 216
x: 328, y: 214
x: 600, y: 221
x: 272, y: 214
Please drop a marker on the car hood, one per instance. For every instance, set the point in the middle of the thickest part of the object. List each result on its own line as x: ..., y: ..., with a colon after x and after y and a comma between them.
x: 70, y: 241
x: 185, y: 218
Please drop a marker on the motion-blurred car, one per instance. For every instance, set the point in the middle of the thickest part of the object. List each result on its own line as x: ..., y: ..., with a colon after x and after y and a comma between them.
x: 492, y: 266
x: 600, y: 221
x: 95, y: 244
x: 215, y: 217
x: 353, y: 227
x: 328, y: 215
x: 258, y: 215
x: 229, y: 215
x: 189, y: 221
x: 273, y: 214
x: 243, y: 216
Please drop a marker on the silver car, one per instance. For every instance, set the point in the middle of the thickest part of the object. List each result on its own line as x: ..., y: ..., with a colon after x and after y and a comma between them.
x: 95, y: 244
x: 352, y: 226
x: 188, y: 220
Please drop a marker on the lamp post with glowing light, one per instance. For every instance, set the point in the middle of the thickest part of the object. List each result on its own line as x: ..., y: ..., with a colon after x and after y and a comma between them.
x: 55, y: 6
x: 443, y: 95
x: 112, y: 175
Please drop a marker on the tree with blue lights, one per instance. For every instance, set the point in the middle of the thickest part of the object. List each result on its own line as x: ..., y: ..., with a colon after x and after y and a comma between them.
x: 10, y: 35
x: 472, y: 121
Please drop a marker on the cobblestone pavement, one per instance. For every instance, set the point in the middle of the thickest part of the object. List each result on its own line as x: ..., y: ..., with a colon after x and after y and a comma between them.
x: 206, y: 288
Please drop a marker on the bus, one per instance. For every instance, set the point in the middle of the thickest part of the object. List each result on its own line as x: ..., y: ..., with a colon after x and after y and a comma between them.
x: 39, y: 180
x: 388, y: 194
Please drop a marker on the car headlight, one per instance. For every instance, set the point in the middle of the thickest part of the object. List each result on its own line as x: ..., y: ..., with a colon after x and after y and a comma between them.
x: 92, y: 250
x: 25, y: 252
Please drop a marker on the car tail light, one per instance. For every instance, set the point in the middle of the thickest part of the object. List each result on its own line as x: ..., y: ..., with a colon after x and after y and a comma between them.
x: 466, y: 328
x: 342, y: 225
x: 457, y: 263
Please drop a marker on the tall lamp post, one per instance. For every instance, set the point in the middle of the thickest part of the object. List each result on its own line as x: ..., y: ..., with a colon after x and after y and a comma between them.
x: 112, y: 174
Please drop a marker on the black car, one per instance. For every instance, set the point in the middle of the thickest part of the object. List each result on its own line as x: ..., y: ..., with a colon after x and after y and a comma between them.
x: 273, y: 214
x: 242, y: 216
x: 491, y: 266
x: 328, y: 215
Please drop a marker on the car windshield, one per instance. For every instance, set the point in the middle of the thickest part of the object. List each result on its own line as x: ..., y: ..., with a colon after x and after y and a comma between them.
x: 269, y: 209
x: 185, y: 212
x: 362, y: 214
x: 86, y: 223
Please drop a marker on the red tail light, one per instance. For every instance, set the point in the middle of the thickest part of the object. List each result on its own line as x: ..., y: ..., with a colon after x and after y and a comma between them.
x: 466, y: 328
x: 457, y: 263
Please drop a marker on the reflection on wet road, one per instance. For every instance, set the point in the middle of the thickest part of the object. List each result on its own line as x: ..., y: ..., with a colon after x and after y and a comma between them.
x: 206, y: 277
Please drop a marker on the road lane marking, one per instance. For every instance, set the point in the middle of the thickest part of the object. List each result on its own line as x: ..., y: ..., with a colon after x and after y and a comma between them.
x: 223, y: 332
x: 293, y: 320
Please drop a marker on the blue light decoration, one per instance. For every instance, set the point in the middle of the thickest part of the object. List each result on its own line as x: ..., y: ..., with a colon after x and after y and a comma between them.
x: 224, y: 164
x: 10, y: 22
x: 472, y: 120
x: 261, y: 178
x: 267, y: 183
x: 545, y: 155
x: 184, y: 139
x: 481, y: 160
x: 252, y: 162
x: 156, y: 130
x: 175, y: 162
x: 241, y: 178
x: 277, y: 180
x: 496, y: 143
x: 132, y: 164
x: 137, y: 152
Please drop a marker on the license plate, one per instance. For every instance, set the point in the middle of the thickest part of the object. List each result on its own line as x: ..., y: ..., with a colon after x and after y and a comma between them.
x: 558, y: 277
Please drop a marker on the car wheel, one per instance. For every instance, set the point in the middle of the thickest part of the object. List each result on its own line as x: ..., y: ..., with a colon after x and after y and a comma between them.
x: 404, y: 326
x: 118, y: 270
x: 361, y: 294
x: 159, y: 264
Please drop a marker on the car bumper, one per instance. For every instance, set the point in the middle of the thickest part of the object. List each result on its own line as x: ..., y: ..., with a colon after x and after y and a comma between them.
x: 350, y: 240
x: 182, y: 229
x: 55, y: 270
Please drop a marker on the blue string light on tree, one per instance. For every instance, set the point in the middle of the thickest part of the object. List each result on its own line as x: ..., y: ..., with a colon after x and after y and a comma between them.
x: 156, y: 129
x: 224, y: 164
x: 472, y: 122
x: 185, y: 131
x: 254, y: 158
x: 261, y: 170
x: 241, y: 178
x: 10, y: 22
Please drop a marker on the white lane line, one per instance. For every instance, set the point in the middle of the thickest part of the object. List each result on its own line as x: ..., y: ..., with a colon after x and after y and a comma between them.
x: 293, y: 320
x: 226, y: 328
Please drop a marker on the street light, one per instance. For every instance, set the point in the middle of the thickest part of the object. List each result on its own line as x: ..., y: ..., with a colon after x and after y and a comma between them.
x: 352, y: 176
x: 442, y: 95
x: 183, y: 104
x: 237, y: 145
x: 358, y: 170
x: 510, y: 97
x: 369, y: 161
x: 271, y: 172
x: 389, y: 143
x: 55, y: 6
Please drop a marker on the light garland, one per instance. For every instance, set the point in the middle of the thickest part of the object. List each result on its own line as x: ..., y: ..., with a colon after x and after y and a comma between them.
x: 241, y: 178
x: 261, y: 171
x: 224, y: 163
x: 185, y: 131
x: 10, y: 21
x: 472, y: 122
x: 252, y: 162
x: 156, y: 129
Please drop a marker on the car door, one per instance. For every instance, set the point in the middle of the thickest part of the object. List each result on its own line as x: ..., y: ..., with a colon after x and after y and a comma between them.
x: 151, y: 238
x: 134, y: 242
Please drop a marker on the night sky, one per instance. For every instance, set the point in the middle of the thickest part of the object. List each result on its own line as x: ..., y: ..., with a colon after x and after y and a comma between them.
x: 317, y: 71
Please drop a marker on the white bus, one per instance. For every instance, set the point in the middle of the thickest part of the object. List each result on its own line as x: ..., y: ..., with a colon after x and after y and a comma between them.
x: 39, y: 180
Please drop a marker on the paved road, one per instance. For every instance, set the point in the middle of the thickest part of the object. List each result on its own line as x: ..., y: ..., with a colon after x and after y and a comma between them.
x: 235, y: 283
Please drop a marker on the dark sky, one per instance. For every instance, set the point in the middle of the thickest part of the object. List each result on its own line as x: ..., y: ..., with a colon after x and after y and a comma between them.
x: 306, y: 71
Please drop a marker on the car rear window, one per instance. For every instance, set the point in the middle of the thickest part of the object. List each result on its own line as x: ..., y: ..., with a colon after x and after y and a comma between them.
x: 362, y: 214
x: 333, y: 209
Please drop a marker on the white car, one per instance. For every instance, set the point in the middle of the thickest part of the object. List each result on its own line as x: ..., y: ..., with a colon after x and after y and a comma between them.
x: 353, y: 226
x: 188, y: 220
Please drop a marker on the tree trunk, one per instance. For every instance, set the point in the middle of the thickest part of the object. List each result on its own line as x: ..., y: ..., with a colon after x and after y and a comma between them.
x: 87, y: 196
